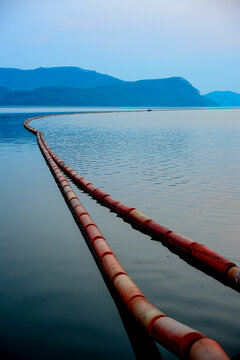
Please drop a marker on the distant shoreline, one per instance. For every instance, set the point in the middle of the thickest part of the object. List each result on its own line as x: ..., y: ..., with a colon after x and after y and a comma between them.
x: 52, y: 109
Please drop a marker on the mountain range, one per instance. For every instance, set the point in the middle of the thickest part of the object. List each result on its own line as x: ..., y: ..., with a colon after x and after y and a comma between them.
x: 73, y: 86
x: 72, y: 77
x: 225, y: 98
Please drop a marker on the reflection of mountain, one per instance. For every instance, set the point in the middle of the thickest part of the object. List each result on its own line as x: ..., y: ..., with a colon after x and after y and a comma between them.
x: 224, y: 98
x: 170, y: 92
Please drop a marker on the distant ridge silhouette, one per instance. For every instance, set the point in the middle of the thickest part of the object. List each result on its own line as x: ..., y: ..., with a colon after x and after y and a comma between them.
x: 72, y: 86
x: 225, y: 98
x: 66, y: 76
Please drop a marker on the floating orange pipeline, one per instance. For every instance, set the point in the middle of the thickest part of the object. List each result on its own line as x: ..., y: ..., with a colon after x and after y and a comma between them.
x: 202, y: 253
x: 181, y: 340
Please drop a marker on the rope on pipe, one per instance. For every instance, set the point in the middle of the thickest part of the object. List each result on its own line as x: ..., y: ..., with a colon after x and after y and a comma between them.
x: 180, y: 339
x: 202, y: 253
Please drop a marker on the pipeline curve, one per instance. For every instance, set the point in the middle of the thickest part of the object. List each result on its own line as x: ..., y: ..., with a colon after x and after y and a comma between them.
x: 221, y: 266
x: 178, y: 338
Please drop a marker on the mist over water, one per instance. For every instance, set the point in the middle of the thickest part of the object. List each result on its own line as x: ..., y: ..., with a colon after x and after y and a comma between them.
x: 181, y: 168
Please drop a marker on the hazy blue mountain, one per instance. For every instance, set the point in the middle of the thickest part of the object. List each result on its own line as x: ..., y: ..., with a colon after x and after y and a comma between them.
x: 173, y: 92
x: 76, y: 86
x: 74, y: 77
x: 225, y: 98
x: 164, y: 92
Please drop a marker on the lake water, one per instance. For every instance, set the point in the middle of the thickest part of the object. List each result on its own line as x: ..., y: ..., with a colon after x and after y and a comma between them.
x: 181, y: 168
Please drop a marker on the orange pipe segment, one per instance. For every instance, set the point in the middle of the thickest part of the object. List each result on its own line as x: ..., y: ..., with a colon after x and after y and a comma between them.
x: 78, y: 177
x: 211, y: 258
x: 206, y: 349
x: 86, y: 220
x: 144, y: 312
x: 174, y: 336
x: 93, y: 232
x: 63, y: 182
x: 123, y: 209
x: 73, y: 173
x: 75, y: 202
x: 112, y: 266
x: 110, y: 201
x: 180, y: 241
x: 67, y: 188
x: 83, y: 182
x: 79, y: 211
x: 139, y: 217
x: 90, y: 188
x: 71, y: 195
x: 126, y: 288
x: 100, y: 194
x: 157, y: 230
x: 101, y: 248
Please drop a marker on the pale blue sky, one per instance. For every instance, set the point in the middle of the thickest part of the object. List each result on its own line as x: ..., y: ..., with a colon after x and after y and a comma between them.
x: 130, y: 39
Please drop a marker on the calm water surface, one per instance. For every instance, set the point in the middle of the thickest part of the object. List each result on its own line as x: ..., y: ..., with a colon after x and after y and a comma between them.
x: 179, y: 167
